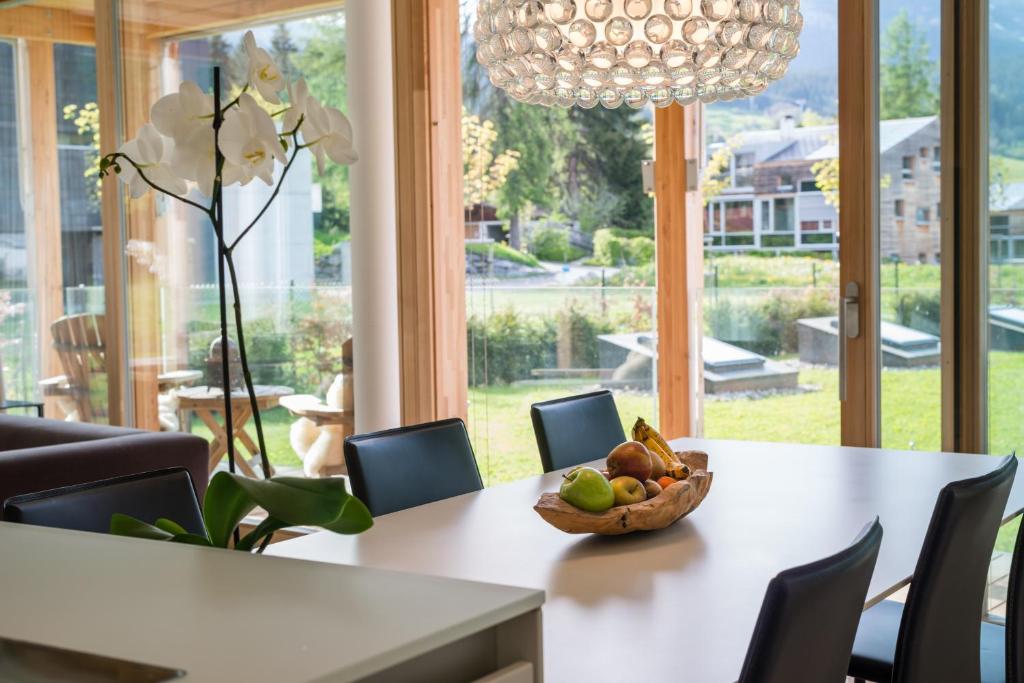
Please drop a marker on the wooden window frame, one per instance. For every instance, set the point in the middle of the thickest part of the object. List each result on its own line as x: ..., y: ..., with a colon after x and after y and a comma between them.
x: 429, y: 212
x: 964, y: 231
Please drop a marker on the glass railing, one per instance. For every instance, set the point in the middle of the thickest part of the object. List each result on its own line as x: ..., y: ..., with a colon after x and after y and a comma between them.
x: 534, y: 343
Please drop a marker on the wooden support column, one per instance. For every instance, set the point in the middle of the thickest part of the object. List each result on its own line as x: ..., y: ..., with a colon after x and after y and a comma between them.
x: 108, y: 78
x: 431, y: 260
x: 965, y: 220
x: 678, y: 227
x: 44, y: 226
x: 858, y: 213
x: 141, y: 57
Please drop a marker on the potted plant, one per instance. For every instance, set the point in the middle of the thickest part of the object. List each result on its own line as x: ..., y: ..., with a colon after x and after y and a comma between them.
x: 194, y: 141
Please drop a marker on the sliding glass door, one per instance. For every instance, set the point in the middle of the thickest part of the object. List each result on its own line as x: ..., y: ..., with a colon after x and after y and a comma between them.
x: 909, y: 223
x: 770, y: 347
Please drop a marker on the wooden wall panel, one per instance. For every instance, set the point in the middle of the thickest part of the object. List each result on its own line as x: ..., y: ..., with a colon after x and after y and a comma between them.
x: 141, y: 59
x: 858, y: 212
x: 45, y: 221
x: 431, y: 287
x: 679, y: 243
x: 108, y: 99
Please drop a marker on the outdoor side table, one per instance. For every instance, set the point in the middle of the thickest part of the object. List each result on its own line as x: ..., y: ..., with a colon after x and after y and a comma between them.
x: 207, y: 402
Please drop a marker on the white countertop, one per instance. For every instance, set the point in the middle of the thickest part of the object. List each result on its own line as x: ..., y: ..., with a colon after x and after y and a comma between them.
x: 228, y: 616
x: 679, y: 603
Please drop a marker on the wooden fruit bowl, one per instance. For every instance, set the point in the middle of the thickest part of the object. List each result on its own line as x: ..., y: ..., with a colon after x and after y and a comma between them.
x: 669, y: 506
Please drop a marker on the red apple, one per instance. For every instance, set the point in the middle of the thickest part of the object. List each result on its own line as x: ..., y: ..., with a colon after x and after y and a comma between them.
x: 630, y: 459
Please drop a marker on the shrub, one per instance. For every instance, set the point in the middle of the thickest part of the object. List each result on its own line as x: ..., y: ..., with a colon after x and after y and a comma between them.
x: 549, y: 244
x: 609, y: 250
x: 767, y: 325
x: 640, y: 251
x: 622, y: 247
x: 500, y: 251
x: 919, y: 310
x: 506, y: 345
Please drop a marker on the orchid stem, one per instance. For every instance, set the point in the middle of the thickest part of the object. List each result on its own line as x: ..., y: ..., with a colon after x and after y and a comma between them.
x: 142, y: 174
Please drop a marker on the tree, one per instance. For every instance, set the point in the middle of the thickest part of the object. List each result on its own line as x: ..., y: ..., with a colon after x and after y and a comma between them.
x: 322, y: 62
x: 483, y: 171
x: 220, y: 55
x: 609, y: 150
x: 715, y: 178
x: 282, y: 48
x: 908, y: 74
x: 525, y: 128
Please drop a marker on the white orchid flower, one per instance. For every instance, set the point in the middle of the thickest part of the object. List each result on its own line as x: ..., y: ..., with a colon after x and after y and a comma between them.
x: 194, y: 159
x: 178, y: 115
x: 263, y: 72
x: 298, y: 96
x: 328, y: 134
x: 149, y: 151
x: 248, y: 139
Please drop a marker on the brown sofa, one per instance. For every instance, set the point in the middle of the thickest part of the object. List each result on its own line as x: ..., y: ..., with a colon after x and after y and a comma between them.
x: 38, y: 454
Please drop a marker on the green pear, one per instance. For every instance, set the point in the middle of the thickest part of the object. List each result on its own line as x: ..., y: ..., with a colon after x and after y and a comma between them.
x: 587, y: 489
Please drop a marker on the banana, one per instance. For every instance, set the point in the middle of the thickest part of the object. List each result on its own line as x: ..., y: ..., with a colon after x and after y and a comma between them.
x: 655, y: 442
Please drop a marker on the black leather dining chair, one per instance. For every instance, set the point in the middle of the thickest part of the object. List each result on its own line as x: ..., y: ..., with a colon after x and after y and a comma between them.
x: 1002, y: 647
x: 148, y: 496
x: 576, y: 429
x: 809, y: 616
x: 401, y: 468
x: 936, y: 635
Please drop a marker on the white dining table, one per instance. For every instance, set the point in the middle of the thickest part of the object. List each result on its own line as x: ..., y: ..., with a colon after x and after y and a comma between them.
x: 680, y: 603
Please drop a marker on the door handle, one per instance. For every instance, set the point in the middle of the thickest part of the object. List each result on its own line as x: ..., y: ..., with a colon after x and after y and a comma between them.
x: 849, y: 328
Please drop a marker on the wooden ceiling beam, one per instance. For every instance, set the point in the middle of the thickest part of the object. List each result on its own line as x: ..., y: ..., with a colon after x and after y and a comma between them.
x: 196, y: 16
x: 48, y: 25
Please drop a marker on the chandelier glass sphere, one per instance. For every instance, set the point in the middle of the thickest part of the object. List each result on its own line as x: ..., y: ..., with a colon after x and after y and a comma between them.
x: 585, y: 52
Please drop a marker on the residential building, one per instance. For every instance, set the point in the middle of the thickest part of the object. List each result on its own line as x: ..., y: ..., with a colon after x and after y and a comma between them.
x: 773, y: 201
x: 1006, y: 216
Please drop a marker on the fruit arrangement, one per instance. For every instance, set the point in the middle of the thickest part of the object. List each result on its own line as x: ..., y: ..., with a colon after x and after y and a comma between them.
x: 646, y: 485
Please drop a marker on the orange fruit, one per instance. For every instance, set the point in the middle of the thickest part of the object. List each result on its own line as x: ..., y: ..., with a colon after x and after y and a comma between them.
x: 665, y: 482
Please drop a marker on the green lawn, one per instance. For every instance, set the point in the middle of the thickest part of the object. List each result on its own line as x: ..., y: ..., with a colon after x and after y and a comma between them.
x: 499, y: 417
x: 502, y: 435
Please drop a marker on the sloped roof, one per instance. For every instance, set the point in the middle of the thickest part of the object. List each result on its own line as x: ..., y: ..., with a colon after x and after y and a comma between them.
x: 819, y: 142
x: 1010, y: 199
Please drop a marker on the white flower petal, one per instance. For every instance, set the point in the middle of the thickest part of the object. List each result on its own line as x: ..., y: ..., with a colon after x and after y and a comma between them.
x: 150, y: 144
x: 167, y: 115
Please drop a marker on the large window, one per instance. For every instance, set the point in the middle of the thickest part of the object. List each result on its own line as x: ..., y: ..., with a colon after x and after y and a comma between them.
x: 51, y: 250
x: 560, y: 272
x: 294, y: 267
x: 18, y: 371
x: 55, y: 260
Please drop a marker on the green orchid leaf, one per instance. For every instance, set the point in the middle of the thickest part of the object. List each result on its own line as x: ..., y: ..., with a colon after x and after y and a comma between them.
x: 170, y: 526
x: 192, y: 539
x: 126, y: 525
x: 267, y: 526
x: 296, y: 500
x: 226, y: 503
x: 355, y: 518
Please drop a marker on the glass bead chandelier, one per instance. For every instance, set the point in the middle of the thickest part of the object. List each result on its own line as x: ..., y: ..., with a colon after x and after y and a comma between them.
x: 582, y: 52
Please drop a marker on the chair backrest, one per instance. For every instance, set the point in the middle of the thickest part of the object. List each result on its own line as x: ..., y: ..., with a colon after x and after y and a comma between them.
x: 79, y: 343
x: 576, y: 429
x: 148, y: 496
x: 402, y: 468
x: 809, y: 616
x: 1015, y: 613
x: 940, y: 633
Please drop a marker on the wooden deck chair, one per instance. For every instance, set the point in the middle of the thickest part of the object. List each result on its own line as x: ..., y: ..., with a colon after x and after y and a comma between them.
x: 79, y: 343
